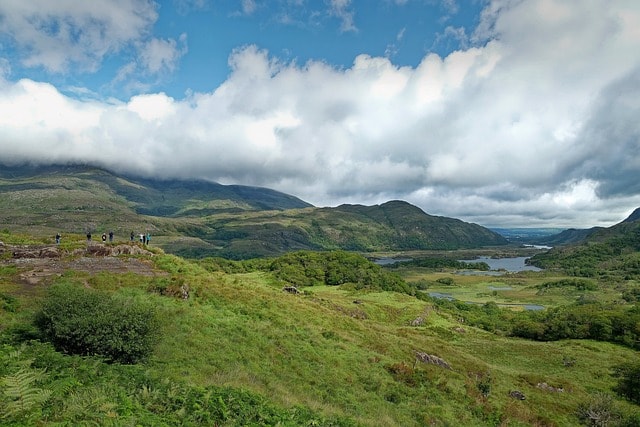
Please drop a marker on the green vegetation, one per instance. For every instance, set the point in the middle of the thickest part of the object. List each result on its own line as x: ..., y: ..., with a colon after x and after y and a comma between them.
x: 203, y: 219
x: 308, y: 337
x: 628, y: 375
x: 88, y: 322
x: 231, y: 348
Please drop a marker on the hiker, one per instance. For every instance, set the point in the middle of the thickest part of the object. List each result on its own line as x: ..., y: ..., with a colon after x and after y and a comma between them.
x: 148, y: 238
x: 110, y: 236
x: 104, y: 237
x: 58, y: 238
x: 132, y: 236
x: 88, y: 236
x: 144, y: 239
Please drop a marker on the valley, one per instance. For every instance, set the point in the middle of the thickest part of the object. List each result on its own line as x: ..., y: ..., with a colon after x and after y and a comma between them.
x: 311, y: 331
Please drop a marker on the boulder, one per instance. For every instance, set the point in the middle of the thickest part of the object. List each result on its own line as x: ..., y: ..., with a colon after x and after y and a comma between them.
x: 517, y: 394
x: 432, y: 359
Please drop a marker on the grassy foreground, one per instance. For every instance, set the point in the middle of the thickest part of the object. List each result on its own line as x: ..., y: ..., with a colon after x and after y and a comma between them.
x: 240, y: 351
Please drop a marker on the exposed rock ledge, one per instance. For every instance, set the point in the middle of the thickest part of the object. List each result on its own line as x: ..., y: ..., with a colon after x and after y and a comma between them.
x: 42, y: 252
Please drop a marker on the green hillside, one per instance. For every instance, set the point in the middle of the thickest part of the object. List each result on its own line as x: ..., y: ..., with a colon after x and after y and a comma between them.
x: 197, y: 218
x: 603, y: 249
x: 233, y: 348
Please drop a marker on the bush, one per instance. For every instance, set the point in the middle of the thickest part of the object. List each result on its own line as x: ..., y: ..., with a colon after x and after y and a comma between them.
x: 87, y: 322
x: 628, y: 386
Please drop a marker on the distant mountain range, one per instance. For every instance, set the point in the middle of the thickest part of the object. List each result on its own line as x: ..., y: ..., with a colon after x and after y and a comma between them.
x: 200, y: 218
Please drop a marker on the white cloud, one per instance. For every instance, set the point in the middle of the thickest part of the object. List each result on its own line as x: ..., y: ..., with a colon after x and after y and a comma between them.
x: 60, y: 34
x: 159, y: 55
x: 539, y: 120
x: 249, y: 6
x: 342, y: 10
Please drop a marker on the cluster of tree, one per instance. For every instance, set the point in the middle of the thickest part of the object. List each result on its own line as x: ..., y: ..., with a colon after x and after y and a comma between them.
x: 577, y: 283
x: 305, y: 268
x: 311, y: 268
x: 583, y: 320
x: 439, y: 263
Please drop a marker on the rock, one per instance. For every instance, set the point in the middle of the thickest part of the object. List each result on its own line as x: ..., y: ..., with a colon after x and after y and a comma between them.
x: 49, y: 252
x: 517, y: 394
x: 104, y: 250
x: 547, y: 387
x: 184, y: 291
x: 432, y: 359
x: 36, y: 252
x: 418, y: 321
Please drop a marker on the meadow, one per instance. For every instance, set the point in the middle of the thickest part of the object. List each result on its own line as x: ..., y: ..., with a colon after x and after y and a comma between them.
x: 241, y: 351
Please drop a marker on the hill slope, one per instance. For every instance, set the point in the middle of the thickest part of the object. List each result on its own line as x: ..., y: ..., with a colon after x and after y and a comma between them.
x: 238, y: 350
x: 616, y: 246
x: 198, y: 218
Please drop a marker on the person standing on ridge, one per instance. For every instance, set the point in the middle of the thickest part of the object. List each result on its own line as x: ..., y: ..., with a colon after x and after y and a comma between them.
x: 110, y: 236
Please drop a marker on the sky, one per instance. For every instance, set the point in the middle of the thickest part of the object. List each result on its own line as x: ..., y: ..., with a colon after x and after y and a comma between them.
x: 505, y: 113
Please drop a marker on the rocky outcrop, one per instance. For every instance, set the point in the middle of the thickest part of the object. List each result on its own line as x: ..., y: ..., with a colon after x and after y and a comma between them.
x: 431, y: 359
x: 36, y: 252
x: 43, y: 252
x: 107, y: 250
x: 547, y: 387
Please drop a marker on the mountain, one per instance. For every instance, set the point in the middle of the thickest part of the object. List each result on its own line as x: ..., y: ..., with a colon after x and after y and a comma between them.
x: 566, y: 237
x: 616, y: 248
x: 199, y: 218
x: 635, y: 215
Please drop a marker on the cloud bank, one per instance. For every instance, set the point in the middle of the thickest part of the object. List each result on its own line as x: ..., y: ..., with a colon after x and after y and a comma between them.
x: 535, y: 123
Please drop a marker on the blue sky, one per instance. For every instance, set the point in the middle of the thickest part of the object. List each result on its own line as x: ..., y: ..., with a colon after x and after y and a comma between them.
x: 196, y: 38
x: 500, y: 112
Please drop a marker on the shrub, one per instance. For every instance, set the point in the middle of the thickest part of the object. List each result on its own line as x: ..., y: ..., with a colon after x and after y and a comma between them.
x: 598, y: 411
x: 628, y: 386
x: 87, y: 322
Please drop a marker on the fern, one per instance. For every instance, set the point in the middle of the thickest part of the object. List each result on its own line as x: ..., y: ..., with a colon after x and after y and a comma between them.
x: 20, y: 393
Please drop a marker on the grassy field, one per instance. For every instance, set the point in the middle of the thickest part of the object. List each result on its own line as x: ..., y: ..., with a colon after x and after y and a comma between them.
x: 341, y: 353
x: 513, y: 290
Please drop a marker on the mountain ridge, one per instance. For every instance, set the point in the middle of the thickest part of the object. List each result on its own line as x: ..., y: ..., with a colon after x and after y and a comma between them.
x: 199, y: 218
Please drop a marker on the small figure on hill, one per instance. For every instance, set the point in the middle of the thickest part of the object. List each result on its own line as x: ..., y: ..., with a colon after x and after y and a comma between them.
x: 88, y: 236
x: 148, y: 238
x: 104, y: 237
x: 132, y: 236
x: 110, y: 236
x: 58, y: 237
x: 144, y: 239
x: 141, y: 238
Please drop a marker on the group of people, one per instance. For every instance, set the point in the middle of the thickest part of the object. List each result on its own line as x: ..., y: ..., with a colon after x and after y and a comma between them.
x: 104, y: 237
x: 144, y: 238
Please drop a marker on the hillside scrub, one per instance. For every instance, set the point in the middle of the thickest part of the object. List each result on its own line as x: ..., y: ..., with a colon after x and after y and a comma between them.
x: 240, y: 351
x: 84, y: 321
x: 39, y: 386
